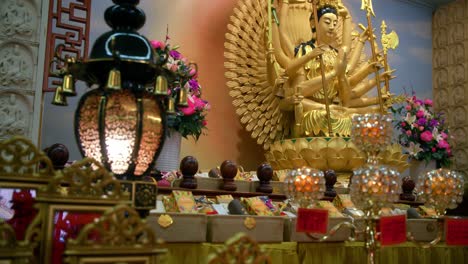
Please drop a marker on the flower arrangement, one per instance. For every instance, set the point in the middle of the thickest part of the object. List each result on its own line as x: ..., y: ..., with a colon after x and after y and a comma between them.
x: 423, y: 133
x: 188, y: 120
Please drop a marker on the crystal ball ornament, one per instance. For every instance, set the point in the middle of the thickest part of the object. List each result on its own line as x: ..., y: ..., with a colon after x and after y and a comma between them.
x: 305, y: 186
x: 373, y: 187
x: 371, y: 133
x: 441, y: 189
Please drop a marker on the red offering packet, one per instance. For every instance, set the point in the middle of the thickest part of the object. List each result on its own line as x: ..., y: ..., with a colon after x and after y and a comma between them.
x: 312, y: 221
x: 456, y: 231
x: 392, y: 230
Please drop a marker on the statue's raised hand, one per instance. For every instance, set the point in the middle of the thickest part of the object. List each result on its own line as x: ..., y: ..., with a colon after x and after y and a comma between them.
x: 342, y: 11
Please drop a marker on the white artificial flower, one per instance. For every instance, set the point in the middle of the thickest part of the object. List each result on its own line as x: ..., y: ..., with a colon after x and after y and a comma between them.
x: 410, y: 119
x: 436, y: 135
x: 414, y: 149
x: 172, y: 64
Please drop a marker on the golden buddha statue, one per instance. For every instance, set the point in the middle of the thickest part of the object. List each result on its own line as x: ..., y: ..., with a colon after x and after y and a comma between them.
x: 296, y: 70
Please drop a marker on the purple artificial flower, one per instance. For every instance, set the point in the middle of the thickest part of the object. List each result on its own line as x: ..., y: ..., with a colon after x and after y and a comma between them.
x: 422, y: 121
x: 193, y: 84
x: 433, y: 123
x: 175, y: 54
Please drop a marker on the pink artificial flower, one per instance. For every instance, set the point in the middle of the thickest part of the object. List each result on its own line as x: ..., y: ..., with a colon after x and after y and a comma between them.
x: 428, y: 102
x: 408, y: 107
x: 443, y: 144
x: 403, y: 124
x: 408, y: 132
x: 420, y: 114
x: 199, y: 103
x: 192, y: 73
x: 421, y: 128
x: 426, y: 136
x: 190, y: 108
x: 434, y: 149
x: 204, y: 123
x: 158, y: 44
x: 444, y: 135
x: 164, y: 183
x: 194, y: 104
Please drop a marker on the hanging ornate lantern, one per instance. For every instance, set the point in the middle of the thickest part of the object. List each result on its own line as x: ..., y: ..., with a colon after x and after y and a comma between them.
x: 122, y: 122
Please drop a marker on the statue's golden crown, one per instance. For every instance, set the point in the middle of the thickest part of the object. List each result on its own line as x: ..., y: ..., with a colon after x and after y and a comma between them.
x: 322, y: 3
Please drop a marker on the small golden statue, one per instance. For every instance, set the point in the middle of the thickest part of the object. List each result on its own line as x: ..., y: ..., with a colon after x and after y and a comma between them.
x: 297, y: 70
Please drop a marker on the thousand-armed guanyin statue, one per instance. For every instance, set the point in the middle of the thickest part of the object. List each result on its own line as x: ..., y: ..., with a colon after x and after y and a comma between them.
x: 298, y: 73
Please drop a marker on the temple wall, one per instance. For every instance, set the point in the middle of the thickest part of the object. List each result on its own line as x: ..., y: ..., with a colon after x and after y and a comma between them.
x: 450, y: 74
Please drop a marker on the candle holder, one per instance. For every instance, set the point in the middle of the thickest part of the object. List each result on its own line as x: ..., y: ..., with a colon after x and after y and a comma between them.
x: 372, y: 186
x: 304, y: 187
x: 441, y: 189
x: 371, y: 133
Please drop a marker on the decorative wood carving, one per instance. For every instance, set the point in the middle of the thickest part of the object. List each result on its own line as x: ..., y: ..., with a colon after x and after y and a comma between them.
x: 68, y: 25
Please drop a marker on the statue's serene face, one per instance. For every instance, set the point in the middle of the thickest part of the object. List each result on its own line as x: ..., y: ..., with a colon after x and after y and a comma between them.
x: 327, y: 27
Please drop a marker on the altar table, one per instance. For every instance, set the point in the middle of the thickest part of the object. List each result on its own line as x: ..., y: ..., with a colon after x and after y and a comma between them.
x: 348, y: 252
